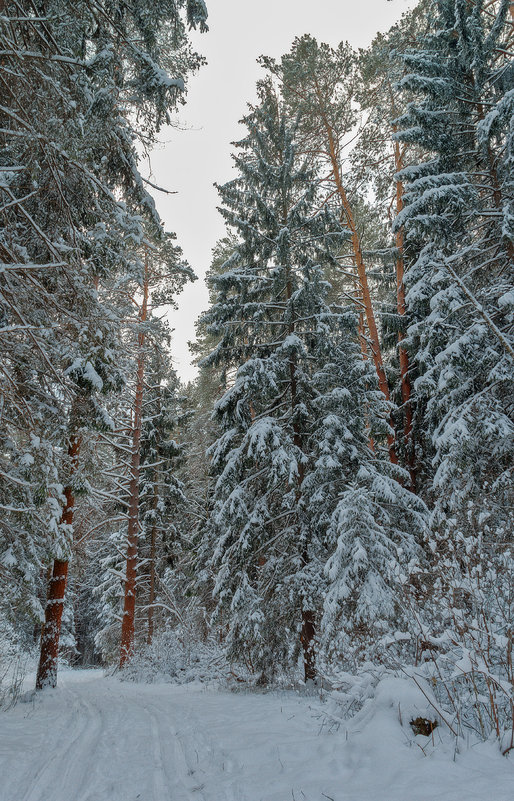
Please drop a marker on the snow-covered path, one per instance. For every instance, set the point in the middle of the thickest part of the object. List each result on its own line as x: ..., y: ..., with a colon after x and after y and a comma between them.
x: 97, y: 739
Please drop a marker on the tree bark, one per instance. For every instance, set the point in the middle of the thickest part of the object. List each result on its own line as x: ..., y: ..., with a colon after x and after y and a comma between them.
x: 376, y: 352
x: 307, y: 638
x: 51, y: 631
x: 129, y: 602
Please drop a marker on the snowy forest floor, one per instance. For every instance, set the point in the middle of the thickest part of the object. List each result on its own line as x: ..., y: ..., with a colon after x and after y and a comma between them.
x: 100, y: 739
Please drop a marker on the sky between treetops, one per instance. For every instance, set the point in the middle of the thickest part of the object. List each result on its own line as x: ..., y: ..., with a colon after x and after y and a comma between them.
x: 197, y: 154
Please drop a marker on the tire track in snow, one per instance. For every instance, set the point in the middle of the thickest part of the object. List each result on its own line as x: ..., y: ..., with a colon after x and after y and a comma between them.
x: 179, y: 776
x: 53, y: 731
x: 109, y: 758
x: 49, y: 775
x: 160, y: 789
x: 79, y: 760
x: 92, y: 763
x: 188, y: 739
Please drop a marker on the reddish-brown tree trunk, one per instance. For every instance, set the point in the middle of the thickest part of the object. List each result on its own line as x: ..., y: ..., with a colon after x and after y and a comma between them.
x: 376, y: 352
x: 129, y: 601
x: 51, y: 630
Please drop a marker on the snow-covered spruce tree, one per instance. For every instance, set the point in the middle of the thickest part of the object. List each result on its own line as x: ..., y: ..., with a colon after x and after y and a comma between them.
x: 198, y: 431
x: 459, y: 216
x: 458, y: 219
x: 296, y: 417
x: 162, y: 499
x: 318, y: 86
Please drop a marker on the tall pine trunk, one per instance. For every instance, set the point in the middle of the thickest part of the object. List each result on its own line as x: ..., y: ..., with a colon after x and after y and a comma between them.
x: 51, y: 630
x: 374, y: 341
x: 129, y: 601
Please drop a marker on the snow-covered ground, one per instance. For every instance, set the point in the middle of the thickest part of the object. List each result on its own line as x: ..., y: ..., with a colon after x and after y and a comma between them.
x: 97, y: 739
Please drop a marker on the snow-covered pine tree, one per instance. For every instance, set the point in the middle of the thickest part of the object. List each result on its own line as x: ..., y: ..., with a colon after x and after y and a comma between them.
x: 47, y: 295
x: 84, y: 415
x: 458, y: 220
x: 199, y: 430
x: 160, y: 506
x: 458, y: 216
x: 295, y: 436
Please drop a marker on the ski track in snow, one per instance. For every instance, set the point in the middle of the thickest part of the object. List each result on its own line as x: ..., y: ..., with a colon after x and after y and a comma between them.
x: 98, y: 739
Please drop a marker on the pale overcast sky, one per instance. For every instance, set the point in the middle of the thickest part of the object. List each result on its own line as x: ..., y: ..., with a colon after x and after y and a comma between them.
x: 189, y: 161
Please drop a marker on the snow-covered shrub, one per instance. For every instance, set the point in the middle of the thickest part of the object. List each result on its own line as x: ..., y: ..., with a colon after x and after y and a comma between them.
x: 176, y: 656
x: 386, y: 704
x: 460, y: 636
x: 350, y: 692
x: 457, y: 651
x: 465, y: 640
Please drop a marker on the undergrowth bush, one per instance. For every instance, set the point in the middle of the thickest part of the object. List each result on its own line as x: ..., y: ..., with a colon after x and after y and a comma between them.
x: 178, y: 657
